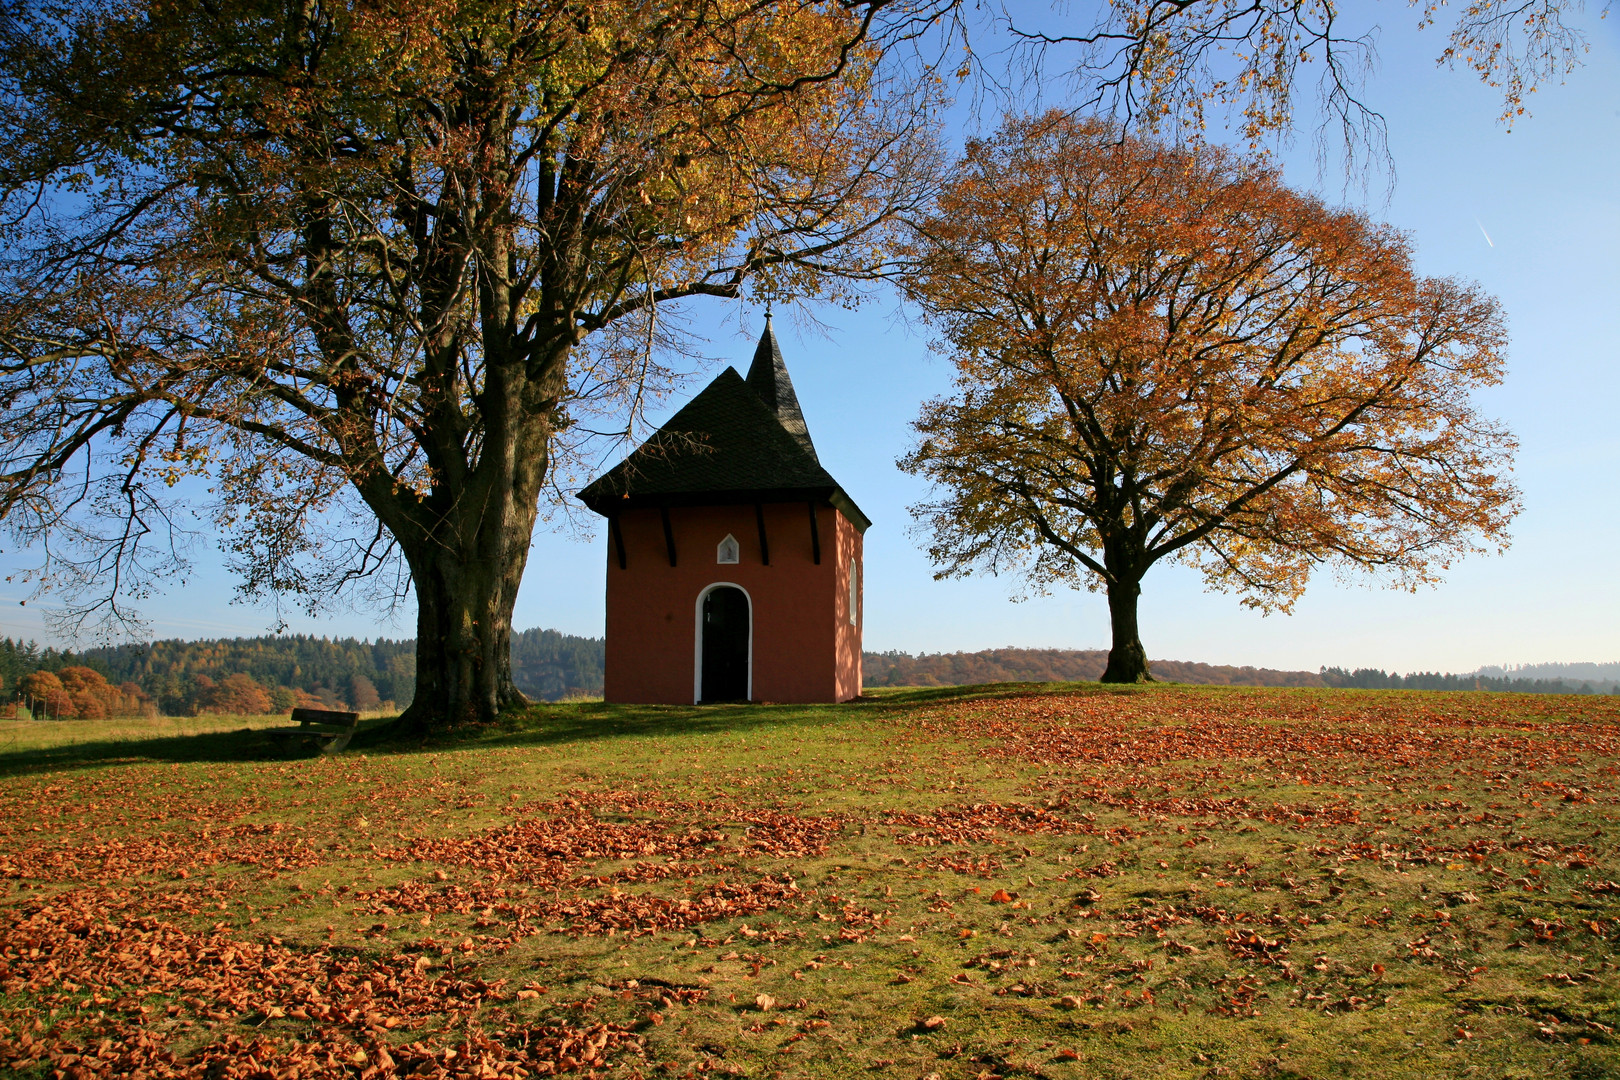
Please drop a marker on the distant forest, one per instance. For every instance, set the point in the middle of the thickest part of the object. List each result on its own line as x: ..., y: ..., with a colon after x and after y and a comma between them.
x: 1054, y: 665
x: 1373, y: 679
x: 1084, y: 665
x: 1572, y: 673
x: 275, y: 674
x: 271, y: 674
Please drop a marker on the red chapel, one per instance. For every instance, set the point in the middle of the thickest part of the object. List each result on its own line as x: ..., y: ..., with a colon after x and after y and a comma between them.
x: 734, y: 558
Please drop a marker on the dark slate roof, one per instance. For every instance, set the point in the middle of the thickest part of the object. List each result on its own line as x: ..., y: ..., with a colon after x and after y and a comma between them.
x: 768, y: 378
x: 727, y: 445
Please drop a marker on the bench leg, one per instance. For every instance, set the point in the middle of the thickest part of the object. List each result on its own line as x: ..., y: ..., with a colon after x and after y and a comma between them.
x: 338, y: 744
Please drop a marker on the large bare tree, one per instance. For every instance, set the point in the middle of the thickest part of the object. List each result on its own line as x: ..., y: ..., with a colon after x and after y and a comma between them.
x: 364, y: 263
x: 1165, y: 354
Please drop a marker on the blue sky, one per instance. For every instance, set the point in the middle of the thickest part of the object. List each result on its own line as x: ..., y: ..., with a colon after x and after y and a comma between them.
x: 1548, y: 196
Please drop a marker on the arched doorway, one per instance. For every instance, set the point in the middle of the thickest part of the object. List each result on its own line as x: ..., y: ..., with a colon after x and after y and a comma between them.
x: 724, y: 632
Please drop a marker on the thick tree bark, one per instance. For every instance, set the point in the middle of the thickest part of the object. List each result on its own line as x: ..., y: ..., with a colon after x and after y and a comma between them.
x: 1127, y: 660
x: 463, y: 642
x: 468, y: 547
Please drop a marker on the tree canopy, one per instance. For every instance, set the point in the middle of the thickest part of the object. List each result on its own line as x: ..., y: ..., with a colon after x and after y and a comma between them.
x: 1164, y: 353
x: 363, y: 267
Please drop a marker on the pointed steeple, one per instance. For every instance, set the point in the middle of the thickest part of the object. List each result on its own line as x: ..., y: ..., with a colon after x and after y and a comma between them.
x: 768, y: 378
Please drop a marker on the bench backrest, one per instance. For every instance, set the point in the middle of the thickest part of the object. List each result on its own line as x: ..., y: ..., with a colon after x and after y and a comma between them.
x: 326, y: 720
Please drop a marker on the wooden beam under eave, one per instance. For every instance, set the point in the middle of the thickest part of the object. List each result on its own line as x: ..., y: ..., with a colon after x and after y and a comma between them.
x: 764, y: 544
x: 669, y: 533
x: 618, y: 538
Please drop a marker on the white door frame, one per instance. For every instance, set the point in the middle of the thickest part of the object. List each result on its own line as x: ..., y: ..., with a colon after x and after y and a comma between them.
x: 697, y: 638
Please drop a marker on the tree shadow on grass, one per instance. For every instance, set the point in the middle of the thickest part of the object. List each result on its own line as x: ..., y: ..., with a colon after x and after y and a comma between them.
x: 246, y: 744
x: 578, y: 722
x: 543, y: 724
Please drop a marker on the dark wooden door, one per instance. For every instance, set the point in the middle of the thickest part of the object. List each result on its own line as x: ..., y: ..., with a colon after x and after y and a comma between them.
x: 725, y: 645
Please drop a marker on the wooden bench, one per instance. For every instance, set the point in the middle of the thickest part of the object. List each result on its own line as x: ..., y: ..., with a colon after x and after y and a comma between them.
x: 336, y: 728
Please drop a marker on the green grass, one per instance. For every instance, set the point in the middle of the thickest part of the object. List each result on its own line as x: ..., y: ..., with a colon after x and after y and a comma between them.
x: 30, y: 735
x: 47, y: 741
x: 1012, y: 881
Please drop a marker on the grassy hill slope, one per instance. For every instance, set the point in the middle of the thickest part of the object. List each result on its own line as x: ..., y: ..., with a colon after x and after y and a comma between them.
x: 1055, y: 665
x: 1011, y: 881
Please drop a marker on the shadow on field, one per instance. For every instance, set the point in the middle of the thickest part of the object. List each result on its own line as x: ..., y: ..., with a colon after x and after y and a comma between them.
x: 543, y: 724
x: 553, y: 724
x: 245, y: 744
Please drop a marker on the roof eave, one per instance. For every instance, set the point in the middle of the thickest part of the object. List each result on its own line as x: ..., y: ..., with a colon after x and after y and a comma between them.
x: 833, y: 496
x: 846, y: 506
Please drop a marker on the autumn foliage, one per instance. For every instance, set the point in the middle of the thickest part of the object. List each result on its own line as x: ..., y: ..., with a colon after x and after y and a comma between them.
x: 81, y: 693
x: 1165, y: 353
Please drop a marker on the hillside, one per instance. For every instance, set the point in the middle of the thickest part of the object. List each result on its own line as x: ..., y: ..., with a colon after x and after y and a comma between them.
x: 1162, y: 882
x: 1084, y: 665
x: 274, y: 674
x: 1055, y: 665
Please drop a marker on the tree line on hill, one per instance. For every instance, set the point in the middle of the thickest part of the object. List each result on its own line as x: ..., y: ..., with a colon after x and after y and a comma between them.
x: 1086, y: 665
x: 1374, y: 679
x: 264, y: 675
x: 1584, y: 672
x: 1054, y: 665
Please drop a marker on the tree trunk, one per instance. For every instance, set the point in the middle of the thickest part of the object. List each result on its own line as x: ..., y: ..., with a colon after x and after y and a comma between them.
x: 467, y: 554
x: 463, y: 641
x: 1127, y: 660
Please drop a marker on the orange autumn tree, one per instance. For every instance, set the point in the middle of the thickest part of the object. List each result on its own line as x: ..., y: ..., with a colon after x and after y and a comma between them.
x: 81, y: 693
x: 361, y: 270
x: 1164, y: 353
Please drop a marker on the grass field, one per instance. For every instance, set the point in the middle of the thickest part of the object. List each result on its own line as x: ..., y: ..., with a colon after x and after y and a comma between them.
x: 994, y: 882
x: 24, y: 735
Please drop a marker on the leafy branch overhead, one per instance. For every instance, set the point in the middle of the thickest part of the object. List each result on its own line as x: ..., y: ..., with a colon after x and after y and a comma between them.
x: 1169, y: 64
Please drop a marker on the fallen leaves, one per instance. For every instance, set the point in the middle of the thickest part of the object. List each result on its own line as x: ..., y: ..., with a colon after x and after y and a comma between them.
x: 56, y: 948
x: 1318, y: 742
x: 1128, y: 851
x: 639, y: 914
x: 505, y: 1054
x: 547, y: 850
x: 271, y: 847
x: 978, y: 823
